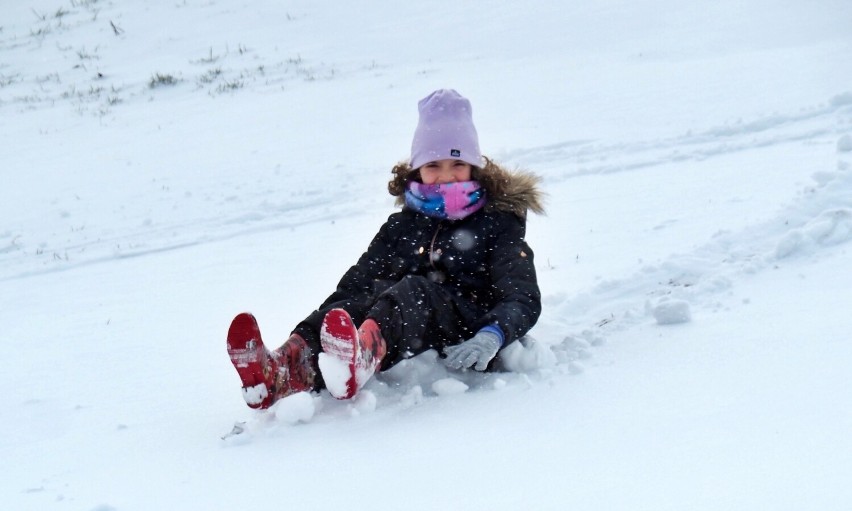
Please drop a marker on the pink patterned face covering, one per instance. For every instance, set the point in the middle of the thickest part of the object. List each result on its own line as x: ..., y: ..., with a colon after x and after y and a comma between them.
x: 451, y: 201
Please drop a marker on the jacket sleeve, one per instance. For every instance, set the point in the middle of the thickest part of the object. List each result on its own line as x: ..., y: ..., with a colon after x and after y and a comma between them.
x: 359, y: 280
x: 513, y: 281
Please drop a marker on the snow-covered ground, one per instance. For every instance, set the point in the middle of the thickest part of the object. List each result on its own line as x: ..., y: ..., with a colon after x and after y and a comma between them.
x: 166, y: 165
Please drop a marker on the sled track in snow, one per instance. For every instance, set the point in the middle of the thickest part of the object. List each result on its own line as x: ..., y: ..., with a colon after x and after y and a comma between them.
x: 21, y: 264
x: 586, y: 157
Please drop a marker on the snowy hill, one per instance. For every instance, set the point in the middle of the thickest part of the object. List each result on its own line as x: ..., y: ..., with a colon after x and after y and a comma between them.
x: 168, y: 165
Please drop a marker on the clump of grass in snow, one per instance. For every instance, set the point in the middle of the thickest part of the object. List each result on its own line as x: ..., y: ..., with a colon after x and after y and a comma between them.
x: 230, y: 85
x: 160, y: 80
x: 210, y: 76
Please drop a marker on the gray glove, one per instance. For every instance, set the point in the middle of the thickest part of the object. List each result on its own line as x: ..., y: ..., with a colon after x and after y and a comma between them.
x: 479, y: 350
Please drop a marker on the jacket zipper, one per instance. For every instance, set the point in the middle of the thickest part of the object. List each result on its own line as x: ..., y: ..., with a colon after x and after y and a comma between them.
x: 432, y: 245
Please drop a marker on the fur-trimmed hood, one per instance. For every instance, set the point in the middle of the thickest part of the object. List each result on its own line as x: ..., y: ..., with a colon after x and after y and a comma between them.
x: 513, y: 191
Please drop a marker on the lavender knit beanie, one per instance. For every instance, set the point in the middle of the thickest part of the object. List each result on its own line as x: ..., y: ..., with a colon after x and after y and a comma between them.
x: 445, y: 130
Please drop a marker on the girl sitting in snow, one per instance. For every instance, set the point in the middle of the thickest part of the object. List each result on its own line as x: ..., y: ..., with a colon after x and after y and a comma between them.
x: 450, y: 271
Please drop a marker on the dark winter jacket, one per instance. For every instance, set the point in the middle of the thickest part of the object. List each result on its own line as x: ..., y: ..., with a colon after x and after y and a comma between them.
x: 483, y: 258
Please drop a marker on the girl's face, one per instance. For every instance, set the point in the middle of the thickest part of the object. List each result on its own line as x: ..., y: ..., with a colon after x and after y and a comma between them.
x: 445, y: 171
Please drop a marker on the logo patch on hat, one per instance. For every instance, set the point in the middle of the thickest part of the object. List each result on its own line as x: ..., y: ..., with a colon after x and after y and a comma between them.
x: 455, y: 152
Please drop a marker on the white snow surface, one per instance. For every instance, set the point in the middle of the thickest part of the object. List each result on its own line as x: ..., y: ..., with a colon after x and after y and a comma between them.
x: 167, y: 165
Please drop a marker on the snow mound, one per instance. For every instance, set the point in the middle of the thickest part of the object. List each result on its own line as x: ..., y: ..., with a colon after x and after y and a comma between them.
x: 832, y: 227
x: 671, y: 312
x: 448, y: 387
x: 364, y: 402
x: 526, y: 355
x: 413, y: 397
x: 294, y: 409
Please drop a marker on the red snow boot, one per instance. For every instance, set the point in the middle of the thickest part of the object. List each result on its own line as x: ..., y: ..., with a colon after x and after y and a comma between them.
x: 350, y: 356
x: 268, y: 376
